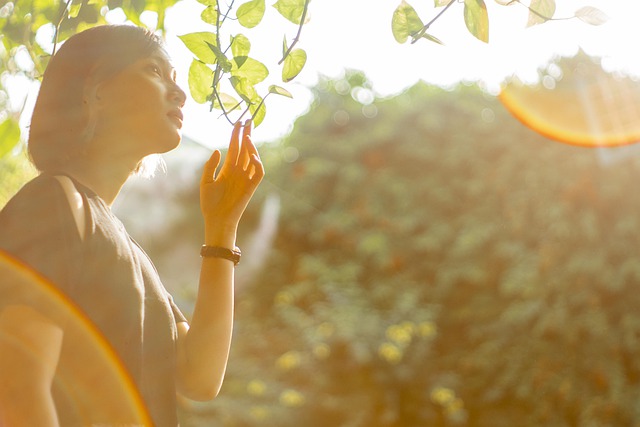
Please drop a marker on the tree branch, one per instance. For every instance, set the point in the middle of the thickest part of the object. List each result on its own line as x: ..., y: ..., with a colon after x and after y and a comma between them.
x: 424, y: 29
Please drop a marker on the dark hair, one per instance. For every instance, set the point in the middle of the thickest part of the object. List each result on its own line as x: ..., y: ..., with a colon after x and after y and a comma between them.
x: 59, y: 121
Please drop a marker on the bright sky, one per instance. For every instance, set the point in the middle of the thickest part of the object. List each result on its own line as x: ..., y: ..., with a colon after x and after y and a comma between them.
x: 357, y: 34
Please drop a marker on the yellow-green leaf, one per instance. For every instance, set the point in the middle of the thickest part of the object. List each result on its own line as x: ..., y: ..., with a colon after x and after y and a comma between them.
x: 240, y: 45
x: 293, y: 64
x: 210, y: 15
x: 250, y: 69
x: 477, y: 19
x: 291, y: 9
x: 228, y: 102
x: 200, y: 81
x: 540, y: 11
x: 250, y: 13
x: 405, y: 22
x: 258, y: 110
x: 591, y: 15
x: 440, y: 3
x: 198, y: 43
x: 244, y: 89
x: 280, y: 91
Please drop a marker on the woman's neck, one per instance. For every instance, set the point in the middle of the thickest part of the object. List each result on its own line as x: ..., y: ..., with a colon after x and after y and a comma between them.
x: 105, y: 177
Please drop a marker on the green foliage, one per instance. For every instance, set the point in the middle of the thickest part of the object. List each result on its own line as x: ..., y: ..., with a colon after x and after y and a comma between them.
x: 244, y: 73
x: 15, y: 171
x: 435, y: 267
x: 9, y: 136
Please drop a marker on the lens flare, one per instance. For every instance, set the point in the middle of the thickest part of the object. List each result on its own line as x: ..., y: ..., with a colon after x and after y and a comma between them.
x: 589, y: 108
x: 90, y: 379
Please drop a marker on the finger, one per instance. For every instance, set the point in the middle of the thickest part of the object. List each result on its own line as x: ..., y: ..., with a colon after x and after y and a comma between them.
x: 234, y: 146
x: 209, y: 172
x: 258, y: 168
x: 245, y: 152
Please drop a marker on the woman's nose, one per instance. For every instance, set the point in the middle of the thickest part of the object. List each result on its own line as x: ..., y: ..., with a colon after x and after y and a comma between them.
x: 178, y: 95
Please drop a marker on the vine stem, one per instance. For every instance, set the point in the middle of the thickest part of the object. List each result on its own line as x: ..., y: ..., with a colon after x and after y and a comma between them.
x: 424, y: 29
x: 55, y: 37
x: 295, y: 40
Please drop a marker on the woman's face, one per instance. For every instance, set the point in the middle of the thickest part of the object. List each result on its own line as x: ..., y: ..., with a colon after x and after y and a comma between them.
x: 140, y: 107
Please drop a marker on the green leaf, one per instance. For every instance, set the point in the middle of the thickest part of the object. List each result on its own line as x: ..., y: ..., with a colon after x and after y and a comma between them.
x: 200, y: 81
x: 250, y: 13
x: 244, y: 89
x: 291, y: 9
x: 210, y: 15
x: 540, y: 11
x: 440, y: 3
x: 252, y: 70
x: 506, y: 2
x: 591, y: 15
x: 280, y: 91
x: 432, y: 38
x: 293, y: 64
x: 209, y: 2
x: 221, y: 58
x: 74, y: 9
x: 9, y: 136
x: 405, y: 22
x: 258, y: 110
x: 477, y: 19
x: 228, y: 102
x: 199, y: 43
x: 240, y: 47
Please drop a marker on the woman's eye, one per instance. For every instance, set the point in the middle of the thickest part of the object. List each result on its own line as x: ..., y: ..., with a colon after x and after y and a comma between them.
x: 155, y: 69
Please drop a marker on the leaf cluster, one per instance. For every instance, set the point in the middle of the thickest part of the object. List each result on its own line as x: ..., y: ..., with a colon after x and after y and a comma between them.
x: 217, y: 61
x: 406, y: 23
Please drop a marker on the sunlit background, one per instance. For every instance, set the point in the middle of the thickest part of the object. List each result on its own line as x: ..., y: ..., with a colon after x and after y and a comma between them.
x: 416, y: 256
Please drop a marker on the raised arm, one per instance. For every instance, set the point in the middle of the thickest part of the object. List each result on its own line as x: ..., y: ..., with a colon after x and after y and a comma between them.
x: 203, y: 347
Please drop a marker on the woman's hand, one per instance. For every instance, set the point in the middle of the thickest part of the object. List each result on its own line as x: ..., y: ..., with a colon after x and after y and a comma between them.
x: 225, y: 196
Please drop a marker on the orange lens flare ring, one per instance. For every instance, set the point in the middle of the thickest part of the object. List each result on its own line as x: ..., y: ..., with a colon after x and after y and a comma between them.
x: 112, y: 394
x: 603, y: 111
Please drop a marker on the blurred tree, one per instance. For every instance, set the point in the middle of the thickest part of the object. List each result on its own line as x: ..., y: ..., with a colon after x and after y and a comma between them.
x: 437, y: 264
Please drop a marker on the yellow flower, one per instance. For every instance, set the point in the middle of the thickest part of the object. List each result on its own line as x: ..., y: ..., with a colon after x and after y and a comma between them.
x: 291, y: 398
x: 399, y: 334
x: 390, y: 352
x: 289, y: 360
x: 442, y: 396
x: 427, y: 329
x: 256, y: 387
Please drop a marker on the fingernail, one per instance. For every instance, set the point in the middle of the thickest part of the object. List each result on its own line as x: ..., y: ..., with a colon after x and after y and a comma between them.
x: 248, y: 122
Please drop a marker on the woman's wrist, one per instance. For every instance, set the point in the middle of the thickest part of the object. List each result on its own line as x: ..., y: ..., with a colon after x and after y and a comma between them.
x: 220, y: 236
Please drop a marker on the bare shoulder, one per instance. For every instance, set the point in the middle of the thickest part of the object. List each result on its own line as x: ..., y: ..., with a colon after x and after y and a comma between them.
x: 76, y: 203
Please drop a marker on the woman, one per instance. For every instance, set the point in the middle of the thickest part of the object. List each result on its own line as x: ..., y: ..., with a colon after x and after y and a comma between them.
x: 108, y: 100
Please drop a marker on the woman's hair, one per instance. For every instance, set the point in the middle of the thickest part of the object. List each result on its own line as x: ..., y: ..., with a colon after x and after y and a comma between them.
x: 60, y: 125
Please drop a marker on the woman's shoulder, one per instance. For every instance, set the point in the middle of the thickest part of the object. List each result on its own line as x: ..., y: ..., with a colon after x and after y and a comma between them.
x: 40, y: 201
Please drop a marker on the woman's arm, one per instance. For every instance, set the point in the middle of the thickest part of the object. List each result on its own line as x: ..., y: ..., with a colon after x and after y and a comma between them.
x: 203, y: 348
x: 29, y: 351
